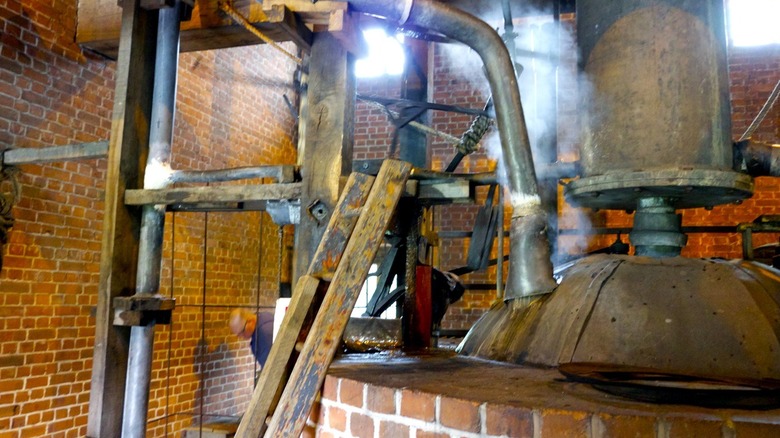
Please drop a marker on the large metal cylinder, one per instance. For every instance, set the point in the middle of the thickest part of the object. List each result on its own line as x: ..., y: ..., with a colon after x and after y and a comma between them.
x: 656, y: 96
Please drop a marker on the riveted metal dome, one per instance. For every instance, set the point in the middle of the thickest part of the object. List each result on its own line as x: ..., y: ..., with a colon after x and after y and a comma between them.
x: 710, y: 318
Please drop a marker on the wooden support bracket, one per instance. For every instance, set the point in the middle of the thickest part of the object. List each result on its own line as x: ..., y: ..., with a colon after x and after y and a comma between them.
x: 143, y: 310
x: 327, y: 16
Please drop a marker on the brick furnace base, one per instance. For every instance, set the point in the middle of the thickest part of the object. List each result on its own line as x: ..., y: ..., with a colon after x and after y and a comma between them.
x: 437, y: 395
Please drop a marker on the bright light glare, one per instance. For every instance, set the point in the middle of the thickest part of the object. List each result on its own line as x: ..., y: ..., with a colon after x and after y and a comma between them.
x: 385, y: 56
x: 754, y: 22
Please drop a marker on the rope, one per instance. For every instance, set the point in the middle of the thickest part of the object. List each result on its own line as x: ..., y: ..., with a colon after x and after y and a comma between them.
x: 762, y: 114
x: 227, y: 8
x: 469, y: 142
x: 7, y: 201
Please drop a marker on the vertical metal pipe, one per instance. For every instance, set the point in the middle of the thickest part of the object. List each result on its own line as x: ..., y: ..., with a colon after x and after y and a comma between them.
x: 139, y: 366
x: 657, y: 228
x: 156, y: 175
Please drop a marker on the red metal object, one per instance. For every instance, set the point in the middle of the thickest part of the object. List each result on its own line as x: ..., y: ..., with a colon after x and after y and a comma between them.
x: 421, y: 321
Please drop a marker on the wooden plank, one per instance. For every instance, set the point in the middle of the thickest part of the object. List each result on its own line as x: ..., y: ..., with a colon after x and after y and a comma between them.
x: 99, y: 24
x: 330, y: 249
x: 222, y: 194
x: 83, y: 151
x: 445, y: 192
x: 323, y: 264
x: 118, y: 254
x: 323, y: 339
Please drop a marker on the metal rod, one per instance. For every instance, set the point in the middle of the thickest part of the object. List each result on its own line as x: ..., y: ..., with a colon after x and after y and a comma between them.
x: 770, y: 101
x: 139, y: 364
x: 153, y: 219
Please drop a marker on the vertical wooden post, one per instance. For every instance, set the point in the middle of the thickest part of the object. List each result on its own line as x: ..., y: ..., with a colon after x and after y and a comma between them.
x: 327, y: 151
x: 413, y: 149
x: 414, y: 86
x: 119, y: 250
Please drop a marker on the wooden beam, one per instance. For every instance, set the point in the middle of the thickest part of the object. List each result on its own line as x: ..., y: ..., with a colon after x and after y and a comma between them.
x: 99, y: 24
x: 455, y: 191
x: 322, y: 266
x: 221, y: 194
x: 118, y: 254
x: 313, y: 13
x: 327, y: 146
x: 324, y: 337
x: 220, y: 197
x: 83, y: 151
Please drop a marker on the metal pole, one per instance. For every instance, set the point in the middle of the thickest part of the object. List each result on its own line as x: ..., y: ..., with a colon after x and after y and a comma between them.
x: 153, y: 219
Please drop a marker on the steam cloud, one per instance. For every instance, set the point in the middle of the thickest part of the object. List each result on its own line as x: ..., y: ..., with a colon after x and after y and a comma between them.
x: 546, y: 52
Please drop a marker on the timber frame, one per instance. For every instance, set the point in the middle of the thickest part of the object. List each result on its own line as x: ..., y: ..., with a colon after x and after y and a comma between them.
x: 331, y: 94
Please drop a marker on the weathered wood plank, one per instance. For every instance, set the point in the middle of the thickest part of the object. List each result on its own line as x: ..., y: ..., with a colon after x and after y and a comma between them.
x: 309, y: 372
x: 445, y: 192
x: 99, y: 24
x: 323, y: 264
x: 13, y: 157
x: 118, y: 254
x: 222, y: 194
x: 331, y: 248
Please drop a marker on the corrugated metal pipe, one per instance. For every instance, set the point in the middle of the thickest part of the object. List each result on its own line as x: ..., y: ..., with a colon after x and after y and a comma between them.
x: 530, y: 271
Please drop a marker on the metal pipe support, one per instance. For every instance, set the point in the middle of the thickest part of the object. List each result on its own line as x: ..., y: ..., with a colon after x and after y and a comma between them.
x: 136, y: 401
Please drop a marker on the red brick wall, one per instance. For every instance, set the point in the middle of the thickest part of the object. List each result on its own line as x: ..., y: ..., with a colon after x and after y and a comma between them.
x: 231, y: 113
x: 373, y: 129
x: 50, y: 93
x: 351, y: 408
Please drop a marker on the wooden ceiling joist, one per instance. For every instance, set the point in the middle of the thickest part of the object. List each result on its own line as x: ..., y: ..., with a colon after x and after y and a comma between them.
x: 99, y: 23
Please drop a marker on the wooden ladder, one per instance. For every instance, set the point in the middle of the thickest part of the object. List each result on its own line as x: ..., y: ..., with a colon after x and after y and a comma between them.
x: 343, y: 258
